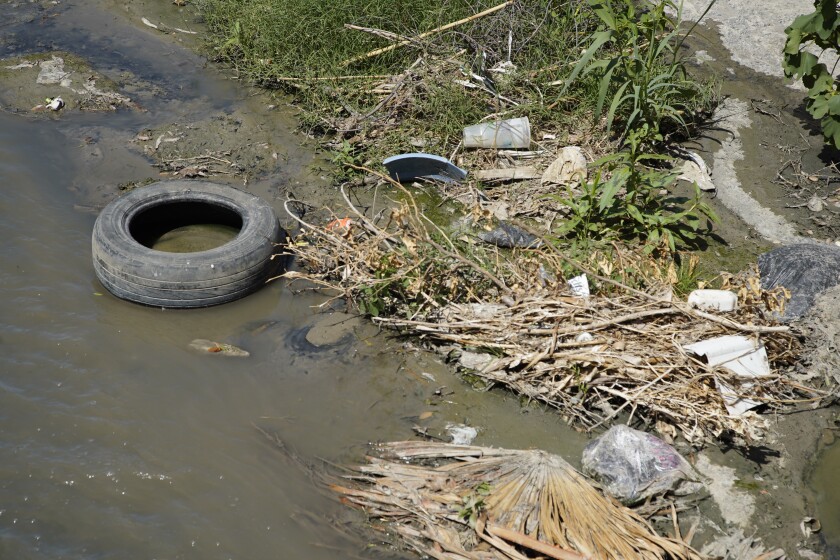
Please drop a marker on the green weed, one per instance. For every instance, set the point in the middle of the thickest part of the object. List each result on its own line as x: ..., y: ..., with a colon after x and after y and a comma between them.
x: 643, y: 83
x: 629, y: 203
x: 821, y: 28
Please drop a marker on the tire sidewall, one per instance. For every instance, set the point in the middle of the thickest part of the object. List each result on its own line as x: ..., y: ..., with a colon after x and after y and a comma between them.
x: 133, y: 271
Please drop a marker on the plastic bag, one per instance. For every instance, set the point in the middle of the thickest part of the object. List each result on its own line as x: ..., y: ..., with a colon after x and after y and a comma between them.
x: 633, y: 465
x: 805, y: 270
x: 508, y: 235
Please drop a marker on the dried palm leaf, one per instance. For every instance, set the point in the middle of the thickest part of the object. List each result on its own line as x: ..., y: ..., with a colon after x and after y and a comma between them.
x: 452, y: 501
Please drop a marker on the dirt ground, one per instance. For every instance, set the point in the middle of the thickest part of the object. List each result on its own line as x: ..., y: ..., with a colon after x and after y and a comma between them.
x: 771, y: 151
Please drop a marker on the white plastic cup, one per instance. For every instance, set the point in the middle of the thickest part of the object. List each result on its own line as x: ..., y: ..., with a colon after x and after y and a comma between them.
x: 713, y: 300
x: 505, y: 135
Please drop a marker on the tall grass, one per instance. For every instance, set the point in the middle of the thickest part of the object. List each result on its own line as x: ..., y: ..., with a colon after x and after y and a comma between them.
x: 306, y: 38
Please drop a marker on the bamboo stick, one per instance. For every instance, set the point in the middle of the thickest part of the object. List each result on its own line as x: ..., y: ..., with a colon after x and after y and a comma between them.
x: 389, y: 48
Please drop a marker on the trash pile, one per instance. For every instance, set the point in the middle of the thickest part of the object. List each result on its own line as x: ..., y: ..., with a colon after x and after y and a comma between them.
x: 521, y: 320
x: 480, y: 503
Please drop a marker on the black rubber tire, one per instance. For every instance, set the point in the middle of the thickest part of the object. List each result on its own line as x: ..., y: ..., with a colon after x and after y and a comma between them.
x: 130, y: 270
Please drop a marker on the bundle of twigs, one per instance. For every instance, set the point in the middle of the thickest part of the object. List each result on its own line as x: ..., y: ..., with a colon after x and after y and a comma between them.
x: 477, y: 503
x: 620, y: 351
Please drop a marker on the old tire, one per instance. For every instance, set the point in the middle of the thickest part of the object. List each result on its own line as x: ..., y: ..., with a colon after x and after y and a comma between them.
x: 126, y: 229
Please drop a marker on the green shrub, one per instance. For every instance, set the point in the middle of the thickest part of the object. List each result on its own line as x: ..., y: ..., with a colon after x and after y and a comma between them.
x: 643, y: 84
x: 630, y: 205
x: 821, y: 29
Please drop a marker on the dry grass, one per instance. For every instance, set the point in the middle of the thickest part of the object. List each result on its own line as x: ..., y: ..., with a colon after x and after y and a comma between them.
x: 462, y: 502
x: 512, y: 318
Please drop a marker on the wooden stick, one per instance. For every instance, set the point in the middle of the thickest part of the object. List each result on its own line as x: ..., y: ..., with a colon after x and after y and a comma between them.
x: 333, y: 78
x: 389, y: 48
x: 532, y: 543
x: 378, y: 32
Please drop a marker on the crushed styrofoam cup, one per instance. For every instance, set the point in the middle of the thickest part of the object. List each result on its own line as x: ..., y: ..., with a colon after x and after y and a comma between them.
x: 713, y: 300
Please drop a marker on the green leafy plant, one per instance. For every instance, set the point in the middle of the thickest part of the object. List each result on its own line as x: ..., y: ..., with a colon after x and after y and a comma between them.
x: 642, y: 78
x: 630, y: 204
x: 474, y: 503
x: 820, y: 29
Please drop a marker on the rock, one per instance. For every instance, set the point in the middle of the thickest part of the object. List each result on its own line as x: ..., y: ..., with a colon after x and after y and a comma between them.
x: 332, y: 329
x: 816, y: 204
x: 474, y: 360
x: 568, y: 169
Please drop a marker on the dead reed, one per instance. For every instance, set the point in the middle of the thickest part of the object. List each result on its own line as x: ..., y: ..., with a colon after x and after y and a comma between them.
x: 512, y: 320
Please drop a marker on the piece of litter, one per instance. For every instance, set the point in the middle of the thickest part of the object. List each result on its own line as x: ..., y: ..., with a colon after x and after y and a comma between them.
x: 740, y: 355
x: 149, y: 23
x: 407, y: 167
x: 211, y: 347
x: 809, y: 526
x: 509, y: 174
x: 461, y: 435
x: 694, y: 170
x: 428, y: 376
x: 579, y: 286
x: 584, y: 337
x: 568, y: 169
x: 508, y: 236
x: 815, y: 204
x: 55, y: 103
x: 24, y: 64
x: 714, y: 300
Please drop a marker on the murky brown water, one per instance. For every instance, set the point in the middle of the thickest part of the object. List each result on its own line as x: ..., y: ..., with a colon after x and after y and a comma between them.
x: 824, y: 480
x: 117, y: 441
x: 195, y: 238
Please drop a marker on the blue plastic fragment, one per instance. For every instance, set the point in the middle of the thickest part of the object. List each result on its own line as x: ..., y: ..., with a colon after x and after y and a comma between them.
x: 407, y: 167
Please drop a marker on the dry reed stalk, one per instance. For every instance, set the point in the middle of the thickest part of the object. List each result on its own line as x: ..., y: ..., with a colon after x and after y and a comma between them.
x: 426, y: 34
x: 445, y: 499
x: 470, y: 296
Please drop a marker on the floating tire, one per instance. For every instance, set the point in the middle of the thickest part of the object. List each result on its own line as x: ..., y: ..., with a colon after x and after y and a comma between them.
x: 130, y: 269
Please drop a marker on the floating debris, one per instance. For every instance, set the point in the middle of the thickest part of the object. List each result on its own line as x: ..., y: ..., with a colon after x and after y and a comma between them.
x: 211, y: 347
x: 461, y: 434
